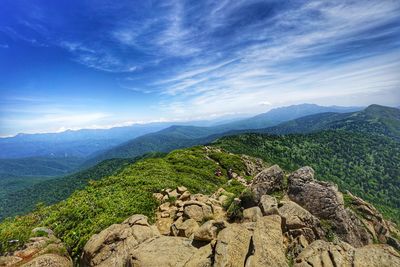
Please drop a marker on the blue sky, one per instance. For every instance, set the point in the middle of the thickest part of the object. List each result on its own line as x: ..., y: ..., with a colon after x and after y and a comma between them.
x: 71, y: 64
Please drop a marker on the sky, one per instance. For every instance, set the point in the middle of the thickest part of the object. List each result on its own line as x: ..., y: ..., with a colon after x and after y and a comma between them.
x: 72, y: 64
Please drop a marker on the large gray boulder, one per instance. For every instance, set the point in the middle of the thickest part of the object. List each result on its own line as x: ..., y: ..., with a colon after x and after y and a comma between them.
x: 298, y: 221
x: 326, y: 202
x: 268, y: 243
x: 232, y: 246
x: 161, y: 251
x: 321, y: 253
x: 111, y: 247
x: 266, y: 182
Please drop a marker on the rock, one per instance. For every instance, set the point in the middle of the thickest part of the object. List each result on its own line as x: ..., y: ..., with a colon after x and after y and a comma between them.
x: 164, y: 207
x: 321, y: 254
x: 209, y: 230
x: 376, y: 255
x: 164, y: 225
x: 49, y: 260
x: 268, y: 243
x: 158, y: 196
x: 111, y: 246
x: 253, y: 165
x: 187, y: 228
x: 266, y: 182
x: 44, y: 250
x: 181, y: 189
x: 173, y: 194
x: 200, y: 198
x: 161, y: 251
x: 252, y: 214
x: 232, y: 246
x: 371, y: 218
x: 218, y: 193
x: 197, y: 210
x: 326, y: 202
x: 185, y: 195
x: 295, y: 217
x: 202, y: 258
x: 268, y: 205
x: 297, y: 246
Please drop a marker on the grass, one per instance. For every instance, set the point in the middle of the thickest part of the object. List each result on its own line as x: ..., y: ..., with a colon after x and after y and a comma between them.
x: 114, y: 198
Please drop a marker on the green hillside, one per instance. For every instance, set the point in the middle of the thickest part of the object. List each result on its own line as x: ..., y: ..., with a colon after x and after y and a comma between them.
x: 19, y: 200
x: 366, y: 165
x: 114, y: 198
x: 39, y: 166
x: 375, y: 119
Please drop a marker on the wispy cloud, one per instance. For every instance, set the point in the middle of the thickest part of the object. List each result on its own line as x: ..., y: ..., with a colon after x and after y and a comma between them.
x: 211, y: 57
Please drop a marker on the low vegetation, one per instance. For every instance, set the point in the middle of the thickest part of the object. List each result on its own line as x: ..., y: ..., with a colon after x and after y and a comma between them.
x: 114, y: 198
x: 366, y: 165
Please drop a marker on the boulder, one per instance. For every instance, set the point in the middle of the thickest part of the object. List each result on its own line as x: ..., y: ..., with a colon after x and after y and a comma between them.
x: 49, y: 260
x: 209, y: 230
x: 185, y: 195
x: 266, y: 182
x: 371, y: 218
x: 111, y: 246
x: 187, y: 228
x: 181, y: 189
x: 197, y: 210
x: 202, y: 258
x: 268, y: 243
x: 43, y: 250
x: 252, y: 214
x: 268, y: 205
x: 161, y: 251
x: 321, y: 253
x: 376, y: 255
x: 232, y: 246
x: 164, y: 225
x: 253, y: 165
x: 295, y: 217
x: 326, y: 202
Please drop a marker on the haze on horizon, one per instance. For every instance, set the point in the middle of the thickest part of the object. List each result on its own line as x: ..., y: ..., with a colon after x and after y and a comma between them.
x: 84, y: 64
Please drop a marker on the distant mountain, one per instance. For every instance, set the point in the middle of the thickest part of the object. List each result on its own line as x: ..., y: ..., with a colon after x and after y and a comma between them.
x: 282, y: 114
x: 39, y: 166
x: 79, y: 143
x: 374, y: 119
x: 175, y: 137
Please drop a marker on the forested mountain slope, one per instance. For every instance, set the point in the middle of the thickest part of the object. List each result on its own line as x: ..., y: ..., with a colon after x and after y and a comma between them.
x: 366, y: 165
x: 375, y: 119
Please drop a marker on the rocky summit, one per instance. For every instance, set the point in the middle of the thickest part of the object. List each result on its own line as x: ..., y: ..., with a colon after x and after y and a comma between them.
x: 278, y: 220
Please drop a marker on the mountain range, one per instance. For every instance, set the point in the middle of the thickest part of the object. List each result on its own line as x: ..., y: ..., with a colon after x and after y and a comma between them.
x: 374, y: 125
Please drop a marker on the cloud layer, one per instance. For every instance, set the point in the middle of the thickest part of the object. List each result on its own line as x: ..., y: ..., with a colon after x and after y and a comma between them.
x: 203, y: 58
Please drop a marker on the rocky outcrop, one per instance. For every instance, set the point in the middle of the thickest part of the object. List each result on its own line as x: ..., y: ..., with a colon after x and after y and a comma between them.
x: 111, y: 246
x: 194, y: 230
x: 266, y: 182
x: 300, y: 222
x: 232, y: 246
x: 326, y: 202
x: 268, y: 244
x: 44, y: 249
x: 372, y: 220
x: 321, y: 253
x: 162, y: 251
